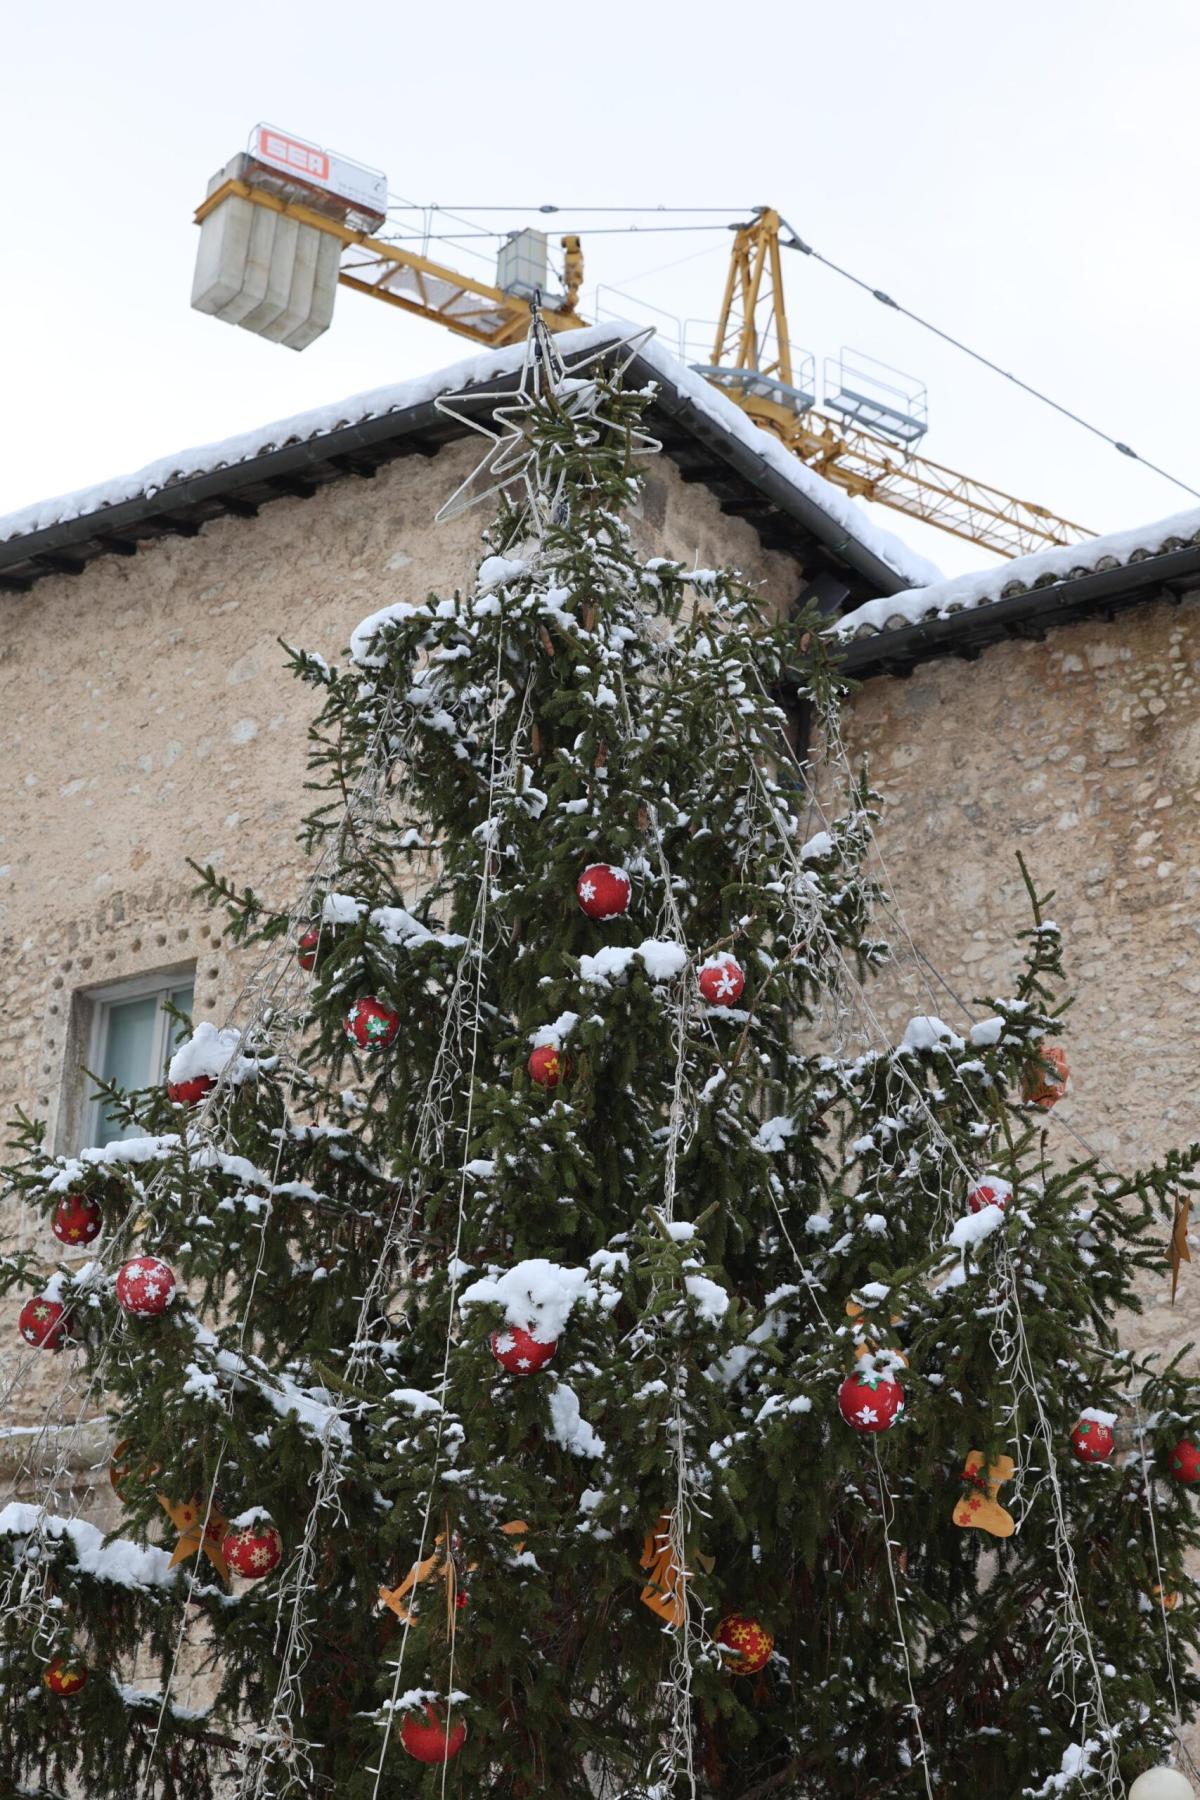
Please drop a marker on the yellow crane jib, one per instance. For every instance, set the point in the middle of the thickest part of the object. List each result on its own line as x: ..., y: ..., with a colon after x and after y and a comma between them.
x: 286, y: 223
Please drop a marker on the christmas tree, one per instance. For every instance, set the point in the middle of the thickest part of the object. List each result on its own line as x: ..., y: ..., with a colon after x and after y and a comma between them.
x: 556, y: 1345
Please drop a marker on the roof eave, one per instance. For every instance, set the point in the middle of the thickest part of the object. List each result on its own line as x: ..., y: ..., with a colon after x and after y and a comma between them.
x: 298, y: 469
x: 965, y: 634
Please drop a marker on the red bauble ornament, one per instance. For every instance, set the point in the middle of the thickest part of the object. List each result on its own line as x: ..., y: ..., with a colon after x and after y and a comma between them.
x: 190, y: 1093
x: 253, y: 1550
x: 1185, y: 1462
x: 870, y: 1402
x: 603, y: 891
x: 65, y: 1676
x: 43, y: 1322
x: 370, y: 1024
x: 145, y: 1286
x: 722, y: 979
x: 1093, y: 1441
x: 307, y: 951
x: 77, y: 1219
x: 991, y: 1191
x: 548, y: 1066
x: 432, y: 1739
x: 519, y: 1353
x: 745, y: 1645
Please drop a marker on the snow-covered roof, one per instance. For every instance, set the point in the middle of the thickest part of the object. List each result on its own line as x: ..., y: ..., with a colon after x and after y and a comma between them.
x: 1041, y: 569
x: 851, y: 530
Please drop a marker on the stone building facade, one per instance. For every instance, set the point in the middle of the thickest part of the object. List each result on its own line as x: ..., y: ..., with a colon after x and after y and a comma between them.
x: 146, y: 717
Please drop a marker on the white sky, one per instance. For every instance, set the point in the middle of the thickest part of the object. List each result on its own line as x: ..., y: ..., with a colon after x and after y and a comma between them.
x: 1025, y: 175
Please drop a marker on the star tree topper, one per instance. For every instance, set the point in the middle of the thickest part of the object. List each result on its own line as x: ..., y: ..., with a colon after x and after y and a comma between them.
x: 513, y: 461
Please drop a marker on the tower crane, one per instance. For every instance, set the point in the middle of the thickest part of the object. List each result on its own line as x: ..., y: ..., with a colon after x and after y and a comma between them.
x: 285, y: 223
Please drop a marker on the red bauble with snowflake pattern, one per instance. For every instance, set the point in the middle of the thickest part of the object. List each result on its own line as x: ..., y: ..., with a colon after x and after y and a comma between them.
x: 1184, y: 1462
x: 745, y: 1644
x: 65, y: 1676
x: 519, y: 1353
x: 191, y: 1093
x: 306, y: 950
x: 43, y: 1323
x: 604, y: 891
x: 145, y: 1286
x: 991, y: 1191
x: 548, y: 1066
x: 77, y: 1219
x: 370, y: 1024
x: 870, y: 1402
x: 432, y: 1739
x: 721, y: 981
x: 253, y: 1551
x: 1093, y: 1440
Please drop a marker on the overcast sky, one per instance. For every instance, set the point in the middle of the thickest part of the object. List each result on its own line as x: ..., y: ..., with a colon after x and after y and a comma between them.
x: 1025, y: 175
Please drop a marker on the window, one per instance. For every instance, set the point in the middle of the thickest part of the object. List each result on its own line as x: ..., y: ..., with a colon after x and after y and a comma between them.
x: 133, y: 1038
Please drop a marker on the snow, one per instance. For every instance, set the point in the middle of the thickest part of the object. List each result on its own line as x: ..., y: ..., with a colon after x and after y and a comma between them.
x: 773, y: 1134
x: 929, y: 1034
x: 341, y: 909
x: 568, y: 1428
x: 537, y: 1296
x: 415, y: 1400
x: 126, y: 1564
x: 401, y: 929
x: 362, y: 638
x: 663, y: 960
x: 553, y: 1036
x: 494, y: 571
x: 419, y: 390
x: 818, y: 847
x: 971, y: 1231
x: 211, y: 1052
x: 985, y: 1032
x: 712, y: 1302
x: 962, y: 593
x: 1098, y: 1416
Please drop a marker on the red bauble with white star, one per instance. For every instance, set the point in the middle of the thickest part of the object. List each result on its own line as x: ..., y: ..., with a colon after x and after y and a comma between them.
x: 519, y: 1353
x: 603, y: 891
x: 190, y: 1093
x: 1093, y: 1441
x: 43, y: 1323
x: 145, y: 1286
x: 370, y: 1024
x: 253, y: 1550
x: 432, y: 1739
x: 548, y: 1066
x: 991, y: 1191
x: 306, y: 952
x: 870, y: 1402
x: 745, y: 1644
x: 77, y: 1219
x: 722, y: 979
x: 1184, y: 1462
x: 65, y: 1676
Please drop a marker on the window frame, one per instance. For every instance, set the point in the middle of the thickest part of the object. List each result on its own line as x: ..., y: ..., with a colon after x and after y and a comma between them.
x: 162, y: 983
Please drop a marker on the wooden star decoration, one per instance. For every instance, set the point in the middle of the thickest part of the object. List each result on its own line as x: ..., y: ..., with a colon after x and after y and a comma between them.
x: 196, y: 1532
x: 452, y: 1566
x: 1178, y: 1253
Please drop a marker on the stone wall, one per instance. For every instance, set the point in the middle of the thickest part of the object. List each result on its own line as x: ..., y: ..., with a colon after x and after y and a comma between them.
x: 1083, y: 753
x: 146, y: 716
